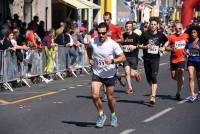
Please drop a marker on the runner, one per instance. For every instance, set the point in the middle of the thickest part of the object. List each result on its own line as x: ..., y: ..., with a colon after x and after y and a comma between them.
x: 193, y: 63
x: 114, y: 30
x: 129, y: 47
x: 103, y: 54
x: 176, y: 44
x: 151, y: 41
x: 115, y: 34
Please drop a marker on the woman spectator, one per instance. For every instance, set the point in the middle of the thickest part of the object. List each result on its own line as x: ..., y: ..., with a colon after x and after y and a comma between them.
x: 20, y: 42
x: 32, y: 38
x: 10, y: 43
x: 193, y: 49
x: 50, y: 50
x: 33, y: 41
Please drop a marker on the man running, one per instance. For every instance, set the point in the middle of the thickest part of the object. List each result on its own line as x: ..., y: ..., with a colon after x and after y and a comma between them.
x: 114, y: 33
x: 114, y: 30
x: 130, y: 49
x: 103, y: 54
x: 151, y: 41
x: 176, y: 44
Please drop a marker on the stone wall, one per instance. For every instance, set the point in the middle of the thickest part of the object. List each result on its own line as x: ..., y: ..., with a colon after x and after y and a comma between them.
x: 17, y: 8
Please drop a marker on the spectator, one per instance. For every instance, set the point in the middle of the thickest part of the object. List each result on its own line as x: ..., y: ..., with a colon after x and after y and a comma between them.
x: 61, y: 28
x: 31, y: 36
x: 6, y: 26
x: 50, y: 51
x: 64, y: 39
x: 41, y: 30
x: 17, y: 20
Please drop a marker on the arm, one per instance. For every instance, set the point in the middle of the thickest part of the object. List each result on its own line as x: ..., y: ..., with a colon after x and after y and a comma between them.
x: 142, y: 46
x: 89, y: 51
x: 167, y: 47
x: 119, y: 58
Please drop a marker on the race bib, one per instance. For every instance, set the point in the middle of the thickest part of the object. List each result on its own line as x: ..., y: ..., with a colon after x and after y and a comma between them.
x: 126, y: 48
x: 101, y: 63
x: 153, y: 50
x: 194, y: 52
x: 180, y: 44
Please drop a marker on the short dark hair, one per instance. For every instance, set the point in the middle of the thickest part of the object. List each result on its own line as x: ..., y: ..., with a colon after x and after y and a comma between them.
x: 108, y: 13
x: 134, y: 22
x: 103, y: 25
x: 129, y: 22
x: 154, y: 19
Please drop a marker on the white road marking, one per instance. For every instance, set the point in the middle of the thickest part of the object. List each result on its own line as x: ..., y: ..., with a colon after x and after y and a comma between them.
x: 79, y: 85
x: 158, y: 115
x: 182, y: 102
x: 71, y: 87
x: 128, y: 131
x: 62, y: 90
x: 162, y: 64
x: 23, y: 93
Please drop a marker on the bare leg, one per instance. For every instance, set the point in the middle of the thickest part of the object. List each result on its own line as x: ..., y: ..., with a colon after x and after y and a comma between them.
x: 111, y: 99
x: 95, y: 95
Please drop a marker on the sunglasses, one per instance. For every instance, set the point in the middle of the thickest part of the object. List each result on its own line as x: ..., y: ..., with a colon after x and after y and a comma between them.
x: 107, y: 20
x: 102, y: 33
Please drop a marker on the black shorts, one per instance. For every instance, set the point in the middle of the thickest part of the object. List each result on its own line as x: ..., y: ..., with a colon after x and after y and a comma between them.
x: 108, y: 82
x: 196, y: 65
x: 151, y: 70
x: 179, y: 65
x: 132, y: 62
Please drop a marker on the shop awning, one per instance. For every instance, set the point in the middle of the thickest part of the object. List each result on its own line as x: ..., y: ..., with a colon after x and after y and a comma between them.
x: 90, y: 4
x: 76, y: 4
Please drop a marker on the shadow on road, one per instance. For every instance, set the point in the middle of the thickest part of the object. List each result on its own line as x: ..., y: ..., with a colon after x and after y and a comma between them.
x: 120, y: 91
x: 141, y: 102
x: 85, y: 97
x: 164, y: 97
x: 90, y: 97
x: 80, y: 124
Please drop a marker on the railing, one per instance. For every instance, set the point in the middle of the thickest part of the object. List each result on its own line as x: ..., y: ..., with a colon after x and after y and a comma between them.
x: 37, y: 62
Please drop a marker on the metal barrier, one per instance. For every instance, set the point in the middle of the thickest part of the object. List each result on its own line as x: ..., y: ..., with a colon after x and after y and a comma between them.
x: 37, y: 62
x: 80, y: 64
x: 10, y: 68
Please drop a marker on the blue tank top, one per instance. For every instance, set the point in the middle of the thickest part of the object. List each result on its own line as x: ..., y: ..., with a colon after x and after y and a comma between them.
x: 194, y: 54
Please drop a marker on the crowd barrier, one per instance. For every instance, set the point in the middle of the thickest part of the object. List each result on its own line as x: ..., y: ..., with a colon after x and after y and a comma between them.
x: 38, y: 62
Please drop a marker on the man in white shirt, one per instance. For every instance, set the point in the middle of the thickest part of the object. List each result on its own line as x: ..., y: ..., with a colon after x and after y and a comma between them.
x: 104, y: 53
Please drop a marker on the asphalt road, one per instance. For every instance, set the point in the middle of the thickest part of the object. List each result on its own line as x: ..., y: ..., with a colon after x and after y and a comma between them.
x: 65, y: 107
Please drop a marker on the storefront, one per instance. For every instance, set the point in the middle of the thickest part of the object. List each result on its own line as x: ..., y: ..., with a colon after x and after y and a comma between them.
x: 68, y: 10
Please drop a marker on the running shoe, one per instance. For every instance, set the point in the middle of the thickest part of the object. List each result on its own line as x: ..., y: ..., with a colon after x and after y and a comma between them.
x: 191, y: 98
x: 113, y: 121
x: 178, y: 97
x: 129, y: 91
x: 138, y: 77
x: 198, y: 97
x: 101, y: 120
x: 152, y: 100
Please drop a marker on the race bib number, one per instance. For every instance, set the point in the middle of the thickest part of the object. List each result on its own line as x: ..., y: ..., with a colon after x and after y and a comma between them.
x: 194, y: 52
x: 180, y: 44
x: 101, y: 63
x: 153, y: 50
x: 126, y: 48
